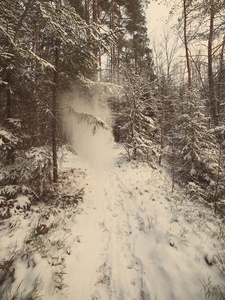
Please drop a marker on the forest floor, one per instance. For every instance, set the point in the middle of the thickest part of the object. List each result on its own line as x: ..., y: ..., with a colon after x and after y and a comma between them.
x: 129, y: 238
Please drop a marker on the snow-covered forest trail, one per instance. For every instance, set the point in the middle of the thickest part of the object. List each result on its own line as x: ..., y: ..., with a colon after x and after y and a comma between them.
x: 134, y: 240
x: 129, y: 239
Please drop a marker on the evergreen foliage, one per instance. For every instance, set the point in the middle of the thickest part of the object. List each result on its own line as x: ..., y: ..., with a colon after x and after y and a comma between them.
x: 196, y: 151
x: 137, y: 118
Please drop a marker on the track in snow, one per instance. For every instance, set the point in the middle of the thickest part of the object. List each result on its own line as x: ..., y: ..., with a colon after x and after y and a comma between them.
x: 125, y: 251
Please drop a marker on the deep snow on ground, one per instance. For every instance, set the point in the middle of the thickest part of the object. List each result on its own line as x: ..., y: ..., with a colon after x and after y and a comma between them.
x: 131, y: 239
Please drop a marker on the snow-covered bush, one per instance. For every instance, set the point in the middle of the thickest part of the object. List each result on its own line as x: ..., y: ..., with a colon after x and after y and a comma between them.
x: 30, y: 167
x: 17, y: 206
x: 11, y: 136
x: 7, y: 272
x: 7, y: 139
x: 195, y: 191
x: 12, y: 191
x: 25, y: 179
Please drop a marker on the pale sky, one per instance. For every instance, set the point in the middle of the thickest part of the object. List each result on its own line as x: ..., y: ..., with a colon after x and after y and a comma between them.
x: 164, y: 42
x: 157, y: 15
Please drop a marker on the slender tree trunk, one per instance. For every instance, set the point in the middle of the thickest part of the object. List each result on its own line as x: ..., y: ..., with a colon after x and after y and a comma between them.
x: 118, y: 51
x: 21, y: 20
x: 173, y: 164
x: 87, y: 18
x: 54, y: 111
x: 220, y: 78
x: 212, y: 100
x: 162, y: 125
x: 95, y: 10
x: 135, y: 56
x: 215, y: 196
x: 37, y: 115
x: 99, y: 52
x: 113, y: 52
x: 8, y: 104
x: 111, y: 65
x: 186, y: 47
x: 96, y: 52
x: 10, y: 155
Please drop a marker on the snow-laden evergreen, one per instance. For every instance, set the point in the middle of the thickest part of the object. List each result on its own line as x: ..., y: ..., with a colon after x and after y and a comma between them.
x: 137, y: 118
x: 195, y: 149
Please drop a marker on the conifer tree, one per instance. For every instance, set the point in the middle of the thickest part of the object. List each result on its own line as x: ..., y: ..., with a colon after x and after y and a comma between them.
x: 196, y: 150
x: 138, y: 118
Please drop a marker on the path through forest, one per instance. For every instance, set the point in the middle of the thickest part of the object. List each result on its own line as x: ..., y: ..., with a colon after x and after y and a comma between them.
x: 130, y: 239
x: 135, y: 240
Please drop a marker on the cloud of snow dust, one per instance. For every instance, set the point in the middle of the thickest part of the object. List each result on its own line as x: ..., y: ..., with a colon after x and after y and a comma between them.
x: 95, y: 148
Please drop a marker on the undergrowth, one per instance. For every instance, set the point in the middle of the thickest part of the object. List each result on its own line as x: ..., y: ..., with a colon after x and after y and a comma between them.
x: 47, y: 239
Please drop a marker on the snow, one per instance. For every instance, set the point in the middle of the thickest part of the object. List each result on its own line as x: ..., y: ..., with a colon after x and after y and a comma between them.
x: 130, y: 239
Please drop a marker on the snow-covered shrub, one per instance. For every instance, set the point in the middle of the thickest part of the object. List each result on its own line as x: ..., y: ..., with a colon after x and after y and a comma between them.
x: 51, y: 245
x: 31, y: 168
x: 213, y: 290
x: 12, y: 191
x: 10, y: 207
x: 7, y: 139
x: 24, y: 180
x: 11, y: 137
x: 195, y: 191
x: 7, y: 275
x: 70, y: 200
x: 40, y: 161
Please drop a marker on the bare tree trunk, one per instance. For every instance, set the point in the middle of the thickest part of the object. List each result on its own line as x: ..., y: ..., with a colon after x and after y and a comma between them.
x: 162, y: 124
x: 95, y: 9
x: 9, y: 104
x: 212, y: 100
x: 87, y: 17
x: 215, y: 196
x: 54, y: 111
x: 10, y: 155
x: 113, y: 53
x: 96, y: 52
x: 37, y: 115
x: 118, y: 51
x: 173, y: 167
x: 99, y: 52
x: 210, y: 69
x: 220, y: 78
x: 186, y: 46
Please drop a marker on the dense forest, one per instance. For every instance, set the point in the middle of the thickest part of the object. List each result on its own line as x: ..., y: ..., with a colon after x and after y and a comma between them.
x: 162, y: 110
